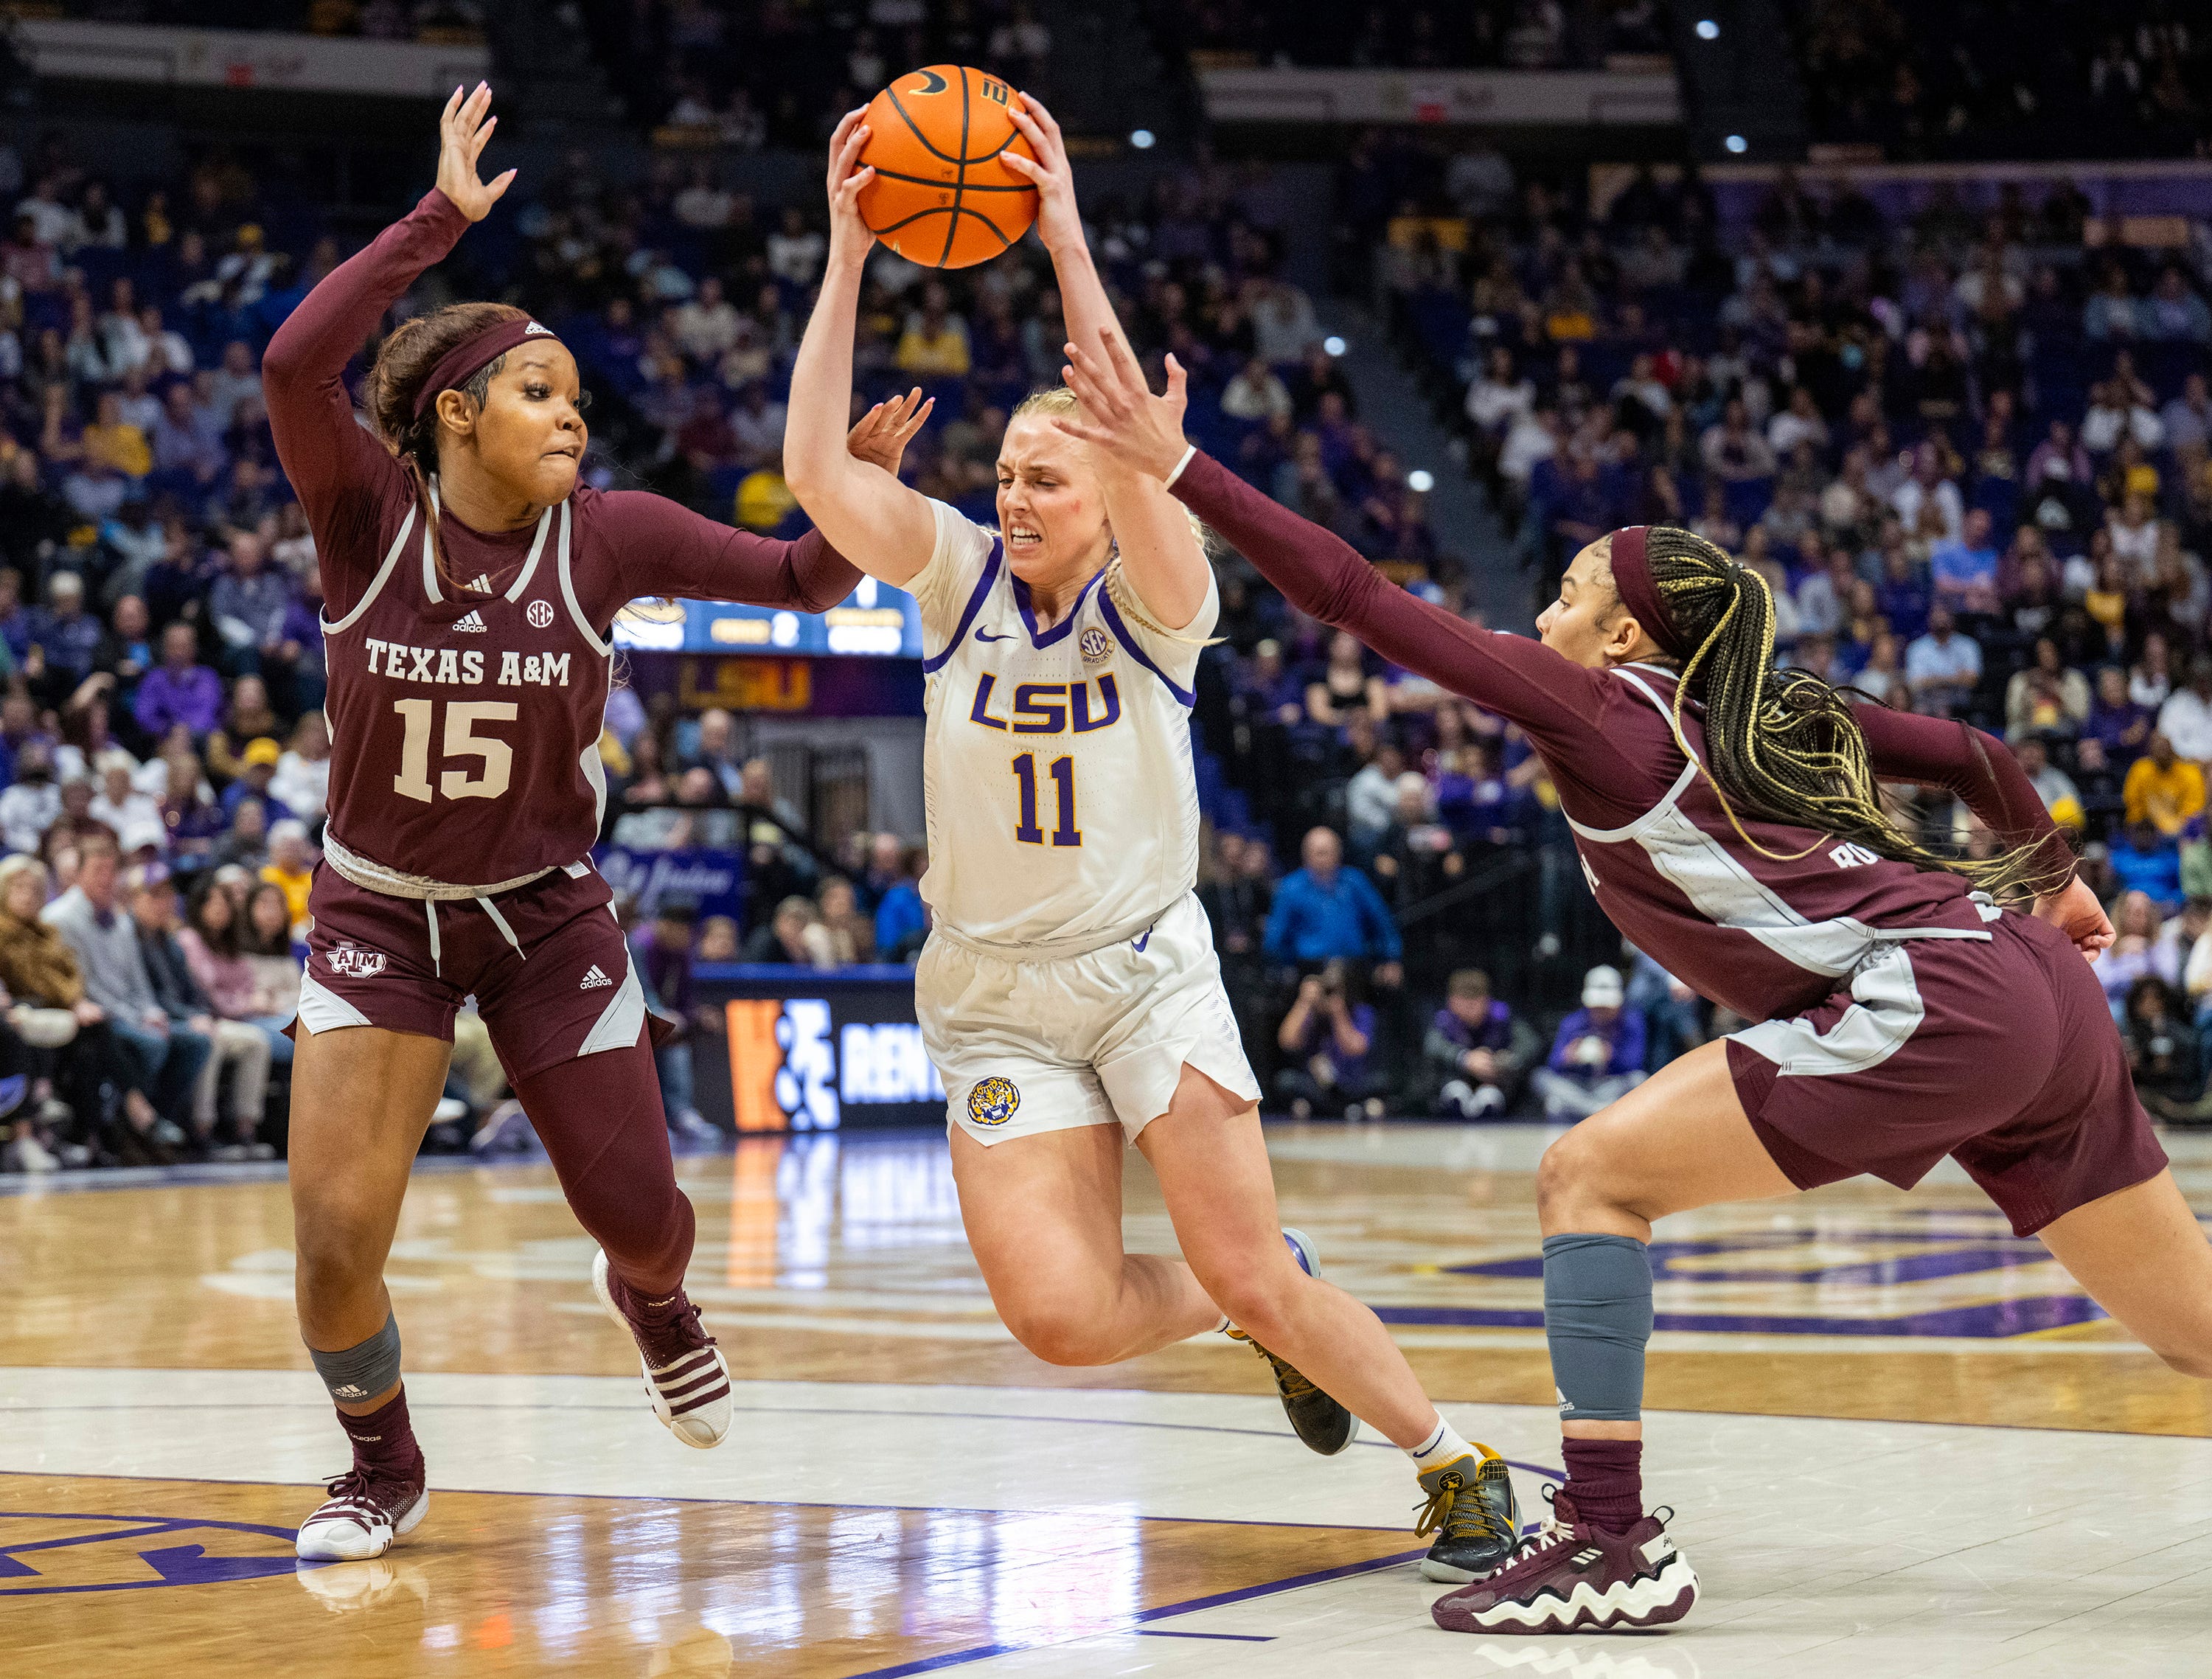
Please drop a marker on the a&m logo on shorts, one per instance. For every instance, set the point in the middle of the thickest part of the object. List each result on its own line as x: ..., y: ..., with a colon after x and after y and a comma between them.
x: 1095, y: 646
x: 356, y: 963
x: 993, y: 1101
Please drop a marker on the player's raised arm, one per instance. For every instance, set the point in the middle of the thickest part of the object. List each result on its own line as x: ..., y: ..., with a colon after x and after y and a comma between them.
x: 1161, y: 557
x: 886, y: 526
x: 1522, y: 680
x: 325, y: 453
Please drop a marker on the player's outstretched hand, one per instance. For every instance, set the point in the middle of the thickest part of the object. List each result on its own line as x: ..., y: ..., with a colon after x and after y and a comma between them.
x: 2075, y: 912
x: 1060, y: 224
x: 880, y: 435
x: 463, y: 131
x: 850, y: 238
x: 1121, y: 417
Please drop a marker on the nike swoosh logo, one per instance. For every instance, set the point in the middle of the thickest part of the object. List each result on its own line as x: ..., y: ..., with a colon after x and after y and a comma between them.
x: 985, y: 636
x: 1137, y: 945
x: 937, y: 84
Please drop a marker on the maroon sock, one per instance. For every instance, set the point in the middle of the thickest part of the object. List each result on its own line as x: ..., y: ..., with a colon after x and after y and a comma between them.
x: 1607, y: 1480
x: 384, y: 1440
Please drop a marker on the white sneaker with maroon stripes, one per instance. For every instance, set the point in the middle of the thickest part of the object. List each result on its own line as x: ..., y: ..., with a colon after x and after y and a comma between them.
x: 685, y: 1375
x: 365, y: 1516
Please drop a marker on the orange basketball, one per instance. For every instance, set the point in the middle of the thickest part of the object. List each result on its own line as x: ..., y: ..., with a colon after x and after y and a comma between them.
x: 941, y: 196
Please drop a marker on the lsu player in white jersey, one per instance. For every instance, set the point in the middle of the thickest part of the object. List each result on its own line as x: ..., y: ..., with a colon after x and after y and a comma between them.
x: 1069, y: 992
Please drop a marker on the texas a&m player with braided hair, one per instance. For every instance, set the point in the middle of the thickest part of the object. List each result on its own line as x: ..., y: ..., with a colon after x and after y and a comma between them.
x: 472, y: 583
x: 1911, y: 1004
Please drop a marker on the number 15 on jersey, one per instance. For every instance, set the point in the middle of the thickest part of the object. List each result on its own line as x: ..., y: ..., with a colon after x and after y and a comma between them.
x: 1062, y: 772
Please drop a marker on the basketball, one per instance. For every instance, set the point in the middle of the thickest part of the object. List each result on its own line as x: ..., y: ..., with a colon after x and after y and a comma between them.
x: 941, y: 196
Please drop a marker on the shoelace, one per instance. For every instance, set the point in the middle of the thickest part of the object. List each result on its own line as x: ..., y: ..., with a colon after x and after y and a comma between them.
x: 1288, y: 1377
x: 677, y: 1338
x: 349, y: 1497
x: 1460, y: 1517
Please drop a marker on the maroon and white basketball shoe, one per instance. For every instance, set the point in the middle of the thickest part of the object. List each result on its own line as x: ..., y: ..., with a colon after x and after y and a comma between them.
x: 367, y: 1512
x: 1575, y: 1577
x: 685, y: 1375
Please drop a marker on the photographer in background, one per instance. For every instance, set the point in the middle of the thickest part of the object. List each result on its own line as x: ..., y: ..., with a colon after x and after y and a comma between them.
x: 1328, y: 1041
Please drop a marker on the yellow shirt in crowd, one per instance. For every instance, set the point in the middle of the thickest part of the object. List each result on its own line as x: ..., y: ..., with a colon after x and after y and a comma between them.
x: 2168, y: 797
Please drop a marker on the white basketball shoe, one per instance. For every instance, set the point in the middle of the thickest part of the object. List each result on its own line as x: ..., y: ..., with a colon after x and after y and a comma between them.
x: 365, y: 1516
x: 685, y: 1375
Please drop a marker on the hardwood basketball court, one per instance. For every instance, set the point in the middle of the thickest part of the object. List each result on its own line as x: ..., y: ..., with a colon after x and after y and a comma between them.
x: 1900, y: 1442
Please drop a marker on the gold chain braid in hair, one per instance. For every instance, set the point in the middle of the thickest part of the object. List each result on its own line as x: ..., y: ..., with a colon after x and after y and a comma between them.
x: 1785, y: 744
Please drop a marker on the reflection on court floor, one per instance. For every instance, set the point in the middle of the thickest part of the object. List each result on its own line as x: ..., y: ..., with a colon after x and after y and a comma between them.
x: 907, y: 1490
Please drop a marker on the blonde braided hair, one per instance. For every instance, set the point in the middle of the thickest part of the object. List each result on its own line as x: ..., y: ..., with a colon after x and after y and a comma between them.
x: 1783, y: 744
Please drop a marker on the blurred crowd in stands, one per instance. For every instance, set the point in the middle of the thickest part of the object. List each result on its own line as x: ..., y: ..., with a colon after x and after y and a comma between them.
x: 1474, y: 34
x: 2006, y: 78
x: 746, y: 73
x: 1968, y: 451
x: 450, y: 21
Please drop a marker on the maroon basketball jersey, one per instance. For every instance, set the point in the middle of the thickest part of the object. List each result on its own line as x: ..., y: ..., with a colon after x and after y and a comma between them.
x: 465, y: 728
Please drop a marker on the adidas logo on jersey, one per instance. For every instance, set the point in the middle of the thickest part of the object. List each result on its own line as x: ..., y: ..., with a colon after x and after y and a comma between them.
x: 472, y: 624
x: 593, y: 980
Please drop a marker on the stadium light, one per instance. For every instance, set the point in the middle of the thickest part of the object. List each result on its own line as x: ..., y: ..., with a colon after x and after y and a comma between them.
x: 1142, y: 139
x: 1736, y: 143
x: 1420, y: 481
x: 1708, y: 30
x: 1333, y: 345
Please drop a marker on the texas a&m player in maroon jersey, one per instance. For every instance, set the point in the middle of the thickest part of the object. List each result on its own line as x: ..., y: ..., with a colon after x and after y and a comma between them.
x: 1909, y: 1004
x: 471, y: 584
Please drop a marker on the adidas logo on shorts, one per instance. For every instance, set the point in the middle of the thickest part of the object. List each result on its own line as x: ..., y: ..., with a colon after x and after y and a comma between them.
x: 473, y: 623
x: 593, y: 980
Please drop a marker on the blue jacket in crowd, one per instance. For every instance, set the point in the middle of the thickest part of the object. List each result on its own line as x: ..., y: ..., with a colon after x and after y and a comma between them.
x: 1316, y: 922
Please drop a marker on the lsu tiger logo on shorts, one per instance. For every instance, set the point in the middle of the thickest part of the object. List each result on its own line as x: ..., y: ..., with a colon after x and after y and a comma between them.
x: 993, y: 1101
x: 356, y: 963
x: 1095, y: 646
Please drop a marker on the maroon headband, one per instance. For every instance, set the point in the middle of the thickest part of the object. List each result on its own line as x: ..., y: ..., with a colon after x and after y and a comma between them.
x: 1631, y: 580
x: 466, y: 359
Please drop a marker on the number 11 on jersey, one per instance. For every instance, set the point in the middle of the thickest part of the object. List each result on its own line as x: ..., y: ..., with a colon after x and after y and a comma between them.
x: 1062, y: 771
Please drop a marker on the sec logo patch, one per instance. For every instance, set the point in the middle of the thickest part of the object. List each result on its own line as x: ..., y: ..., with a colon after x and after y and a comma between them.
x: 1095, y: 646
x: 540, y: 614
x: 993, y: 1102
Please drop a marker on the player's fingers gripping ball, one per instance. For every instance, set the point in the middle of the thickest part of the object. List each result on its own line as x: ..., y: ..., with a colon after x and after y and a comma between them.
x: 941, y: 196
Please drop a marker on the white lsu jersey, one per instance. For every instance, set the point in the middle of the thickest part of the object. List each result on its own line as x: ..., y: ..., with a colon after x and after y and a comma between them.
x: 1062, y: 805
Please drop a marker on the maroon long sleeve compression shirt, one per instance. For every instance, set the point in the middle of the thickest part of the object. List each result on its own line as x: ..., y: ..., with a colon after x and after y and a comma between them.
x: 1762, y: 919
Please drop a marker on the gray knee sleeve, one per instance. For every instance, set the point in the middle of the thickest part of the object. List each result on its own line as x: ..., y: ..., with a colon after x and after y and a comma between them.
x: 1597, y: 1316
x: 362, y: 1371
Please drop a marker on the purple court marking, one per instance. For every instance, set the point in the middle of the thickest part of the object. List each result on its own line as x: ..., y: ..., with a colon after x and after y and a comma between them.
x: 176, y: 1564
x: 1135, y: 1623
x: 1990, y: 1320
x: 1222, y: 1637
x: 1970, y: 1255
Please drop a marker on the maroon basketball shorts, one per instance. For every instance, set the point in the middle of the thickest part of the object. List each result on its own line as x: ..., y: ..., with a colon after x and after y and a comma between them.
x: 2001, y: 1053
x: 546, y: 962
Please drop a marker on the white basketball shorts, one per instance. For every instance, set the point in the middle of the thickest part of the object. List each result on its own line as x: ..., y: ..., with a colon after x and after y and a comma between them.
x: 1050, y: 1043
